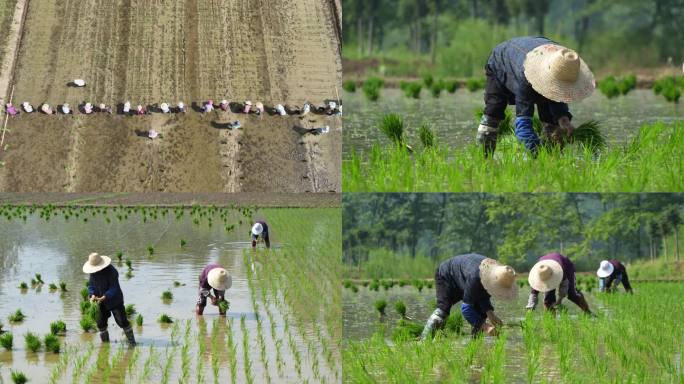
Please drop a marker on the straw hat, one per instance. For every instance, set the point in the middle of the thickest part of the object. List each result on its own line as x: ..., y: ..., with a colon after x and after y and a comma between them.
x: 558, y: 73
x: 606, y: 269
x: 102, y: 106
x: 96, y: 263
x: 498, y: 279
x: 545, y: 276
x: 219, y: 279
x: 257, y: 229
x: 248, y: 102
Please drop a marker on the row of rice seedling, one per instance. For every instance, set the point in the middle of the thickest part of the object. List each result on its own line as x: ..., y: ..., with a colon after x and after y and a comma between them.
x: 387, y: 284
x: 670, y: 87
x: 612, y: 87
x: 373, y: 85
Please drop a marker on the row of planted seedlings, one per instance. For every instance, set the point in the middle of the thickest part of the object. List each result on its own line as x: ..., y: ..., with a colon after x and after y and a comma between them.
x: 386, y: 284
x: 303, y: 281
x: 373, y: 85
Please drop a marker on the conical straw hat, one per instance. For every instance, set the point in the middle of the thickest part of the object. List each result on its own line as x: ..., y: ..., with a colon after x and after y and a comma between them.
x: 96, y: 263
x: 498, y: 280
x: 219, y: 279
x: 558, y: 73
x: 545, y: 276
x: 257, y: 229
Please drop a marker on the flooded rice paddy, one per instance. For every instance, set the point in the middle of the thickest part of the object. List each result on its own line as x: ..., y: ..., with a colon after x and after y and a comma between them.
x: 265, y: 336
x: 451, y: 116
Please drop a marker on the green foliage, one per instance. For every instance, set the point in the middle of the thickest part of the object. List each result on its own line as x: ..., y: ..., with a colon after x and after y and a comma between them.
x: 33, y: 342
x: 130, y: 310
x: 17, y: 317
x: 428, y: 80
x: 182, y: 243
x: 436, y: 89
x: 612, y: 87
x: 475, y: 84
x: 58, y: 328
x: 427, y: 137
x: 454, y: 323
x: 670, y: 87
x: 451, y: 86
x: 406, y: 330
x: 380, y: 306
x: 85, y: 293
x: 349, y: 86
x: 150, y: 250
x: 87, y: 324
x: 400, y: 307
x: 165, y: 319
x: 63, y: 286
x: 392, y: 126
x: 23, y: 285
x: 18, y: 377
x: 52, y: 343
x: 223, y: 306
x: 139, y: 320
x: 53, y: 287
x: 589, y: 135
x: 371, y: 88
x: 6, y: 341
x: 167, y: 295
x: 412, y: 90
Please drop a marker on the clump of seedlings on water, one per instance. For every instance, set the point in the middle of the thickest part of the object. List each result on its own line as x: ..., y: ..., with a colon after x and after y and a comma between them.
x: 58, y: 328
x: 17, y: 317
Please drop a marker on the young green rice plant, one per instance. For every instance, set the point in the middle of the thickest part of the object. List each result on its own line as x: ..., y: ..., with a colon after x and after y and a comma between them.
x: 380, y: 306
x: 39, y: 279
x: 150, y: 250
x: 58, y: 328
x: 18, y: 377
x: 119, y: 256
x: 454, y: 323
x: 87, y: 324
x: 130, y: 310
x: 349, y: 86
x: 412, y: 90
x: 7, y: 340
x: 17, y: 317
x: 223, y: 306
x: 32, y: 341
x: 609, y: 87
x: 63, y: 286
x: 428, y: 80
x: 167, y: 295
x: 392, y: 126
x: 451, y: 86
x: 139, y: 320
x: 400, y: 307
x: 474, y: 84
x: 52, y: 343
x: 371, y: 88
x: 165, y: 319
x: 183, y: 243
x: 426, y: 135
x: 129, y: 264
x: 23, y: 286
x: 84, y: 294
x: 436, y: 89
x: 374, y: 286
x: 53, y: 287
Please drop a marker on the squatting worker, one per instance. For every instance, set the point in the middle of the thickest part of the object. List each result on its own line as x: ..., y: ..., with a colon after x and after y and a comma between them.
x: 260, y: 228
x: 554, y: 272
x: 213, y: 279
x: 529, y: 71
x: 472, y: 279
x: 104, y: 290
x: 613, y: 272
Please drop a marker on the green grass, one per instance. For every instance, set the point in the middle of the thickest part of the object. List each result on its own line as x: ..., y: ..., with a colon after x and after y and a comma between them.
x: 7, y: 340
x: 33, y: 342
x: 17, y: 317
x: 652, y: 162
x: 540, y: 348
x: 58, y: 327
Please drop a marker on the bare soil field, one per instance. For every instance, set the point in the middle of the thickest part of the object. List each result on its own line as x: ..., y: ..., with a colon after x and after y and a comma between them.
x: 168, y: 51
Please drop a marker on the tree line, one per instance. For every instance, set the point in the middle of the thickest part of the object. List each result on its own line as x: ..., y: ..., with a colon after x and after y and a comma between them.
x: 514, y: 228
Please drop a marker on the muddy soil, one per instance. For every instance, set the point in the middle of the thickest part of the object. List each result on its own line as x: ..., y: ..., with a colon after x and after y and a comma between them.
x: 177, y: 50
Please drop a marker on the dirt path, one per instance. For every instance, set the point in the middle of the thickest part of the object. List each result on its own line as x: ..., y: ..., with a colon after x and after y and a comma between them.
x: 174, y: 50
x: 10, y: 55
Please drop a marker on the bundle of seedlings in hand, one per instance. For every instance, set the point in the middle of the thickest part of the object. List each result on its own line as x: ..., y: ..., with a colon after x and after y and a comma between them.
x: 223, y: 306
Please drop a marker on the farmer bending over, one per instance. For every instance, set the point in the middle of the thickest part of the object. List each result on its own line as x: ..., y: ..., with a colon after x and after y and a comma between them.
x: 554, y: 272
x: 529, y: 71
x: 214, y: 278
x: 104, y: 289
x: 472, y: 279
x: 260, y: 228
x: 612, y: 271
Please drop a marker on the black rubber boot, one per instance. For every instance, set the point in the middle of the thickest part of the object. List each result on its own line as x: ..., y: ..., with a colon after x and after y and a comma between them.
x: 104, y: 336
x: 487, y: 134
x: 435, y: 322
x: 129, y: 335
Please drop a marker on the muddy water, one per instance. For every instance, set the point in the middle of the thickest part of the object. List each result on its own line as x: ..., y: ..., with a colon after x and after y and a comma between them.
x: 57, y: 249
x: 452, y: 115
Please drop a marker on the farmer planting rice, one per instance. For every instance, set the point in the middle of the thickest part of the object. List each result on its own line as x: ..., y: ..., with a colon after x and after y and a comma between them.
x: 214, y: 278
x: 260, y: 228
x: 11, y: 110
x: 472, y: 279
x: 554, y: 272
x: 104, y: 290
x: 613, y: 272
x: 529, y: 71
x: 27, y: 107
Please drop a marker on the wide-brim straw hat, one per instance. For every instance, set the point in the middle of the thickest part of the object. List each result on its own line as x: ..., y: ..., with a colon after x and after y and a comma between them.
x: 558, y: 73
x: 257, y: 229
x: 498, y: 279
x: 219, y: 279
x: 96, y: 263
x: 545, y: 276
x: 605, y: 269
x: 79, y: 82
x: 248, y: 102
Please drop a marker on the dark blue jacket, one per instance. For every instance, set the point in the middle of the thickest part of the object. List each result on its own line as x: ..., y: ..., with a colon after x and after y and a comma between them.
x: 106, y: 282
x: 507, y: 65
x: 264, y: 233
x: 463, y: 274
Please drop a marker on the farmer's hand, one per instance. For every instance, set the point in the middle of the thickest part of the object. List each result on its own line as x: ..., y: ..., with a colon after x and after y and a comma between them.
x: 214, y: 300
x: 489, y: 329
x: 565, y: 123
x: 494, y: 319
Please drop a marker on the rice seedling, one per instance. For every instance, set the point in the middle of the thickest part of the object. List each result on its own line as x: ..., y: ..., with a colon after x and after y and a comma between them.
x: 39, y: 279
x: 349, y: 86
x: 130, y: 310
x: 23, y: 286
x: 58, y: 328
x: 371, y: 88
x: 119, y: 256
x: 400, y: 307
x: 129, y: 264
x: 33, y: 342
x: 84, y: 294
x: 392, y: 126
x: 139, y: 320
x: 183, y: 243
x: 53, y: 287
x: 223, y: 306
x: 150, y: 250
x: 63, y: 286
x: 18, y: 377
x: 87, y: 324
x: 428, y: 80
x: 474, y: 84
x: 427, y: 137
x: 52, y: 343
x: 451, y: 86
x: 6, y: 340
x: 412, y: 90
x: 436, y: 89
x: 380, y: 306
x: 17, y: 317
x: 165, y: 319
x: 167, y: 295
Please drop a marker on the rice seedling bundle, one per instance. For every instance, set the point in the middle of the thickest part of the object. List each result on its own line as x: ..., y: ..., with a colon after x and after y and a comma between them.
x: 52, y: 343
x: 18, y: 377
x: 58, y: 328
x: 167, y: 295
x: 165, y: 319
x: 380, y: 306
x: 7, y: 340
x: 412, y: 90
x: 349, y: 86
x: 32, y: 341
x: 17, y: 317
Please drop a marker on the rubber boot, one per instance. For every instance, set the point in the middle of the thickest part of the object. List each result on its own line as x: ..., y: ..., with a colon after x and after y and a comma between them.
x: 130, y: 336
x: 434, y: 322
x: 532, y: 302
x: 199, y: 310
x: 487, y: 134
x: 104, y: 336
